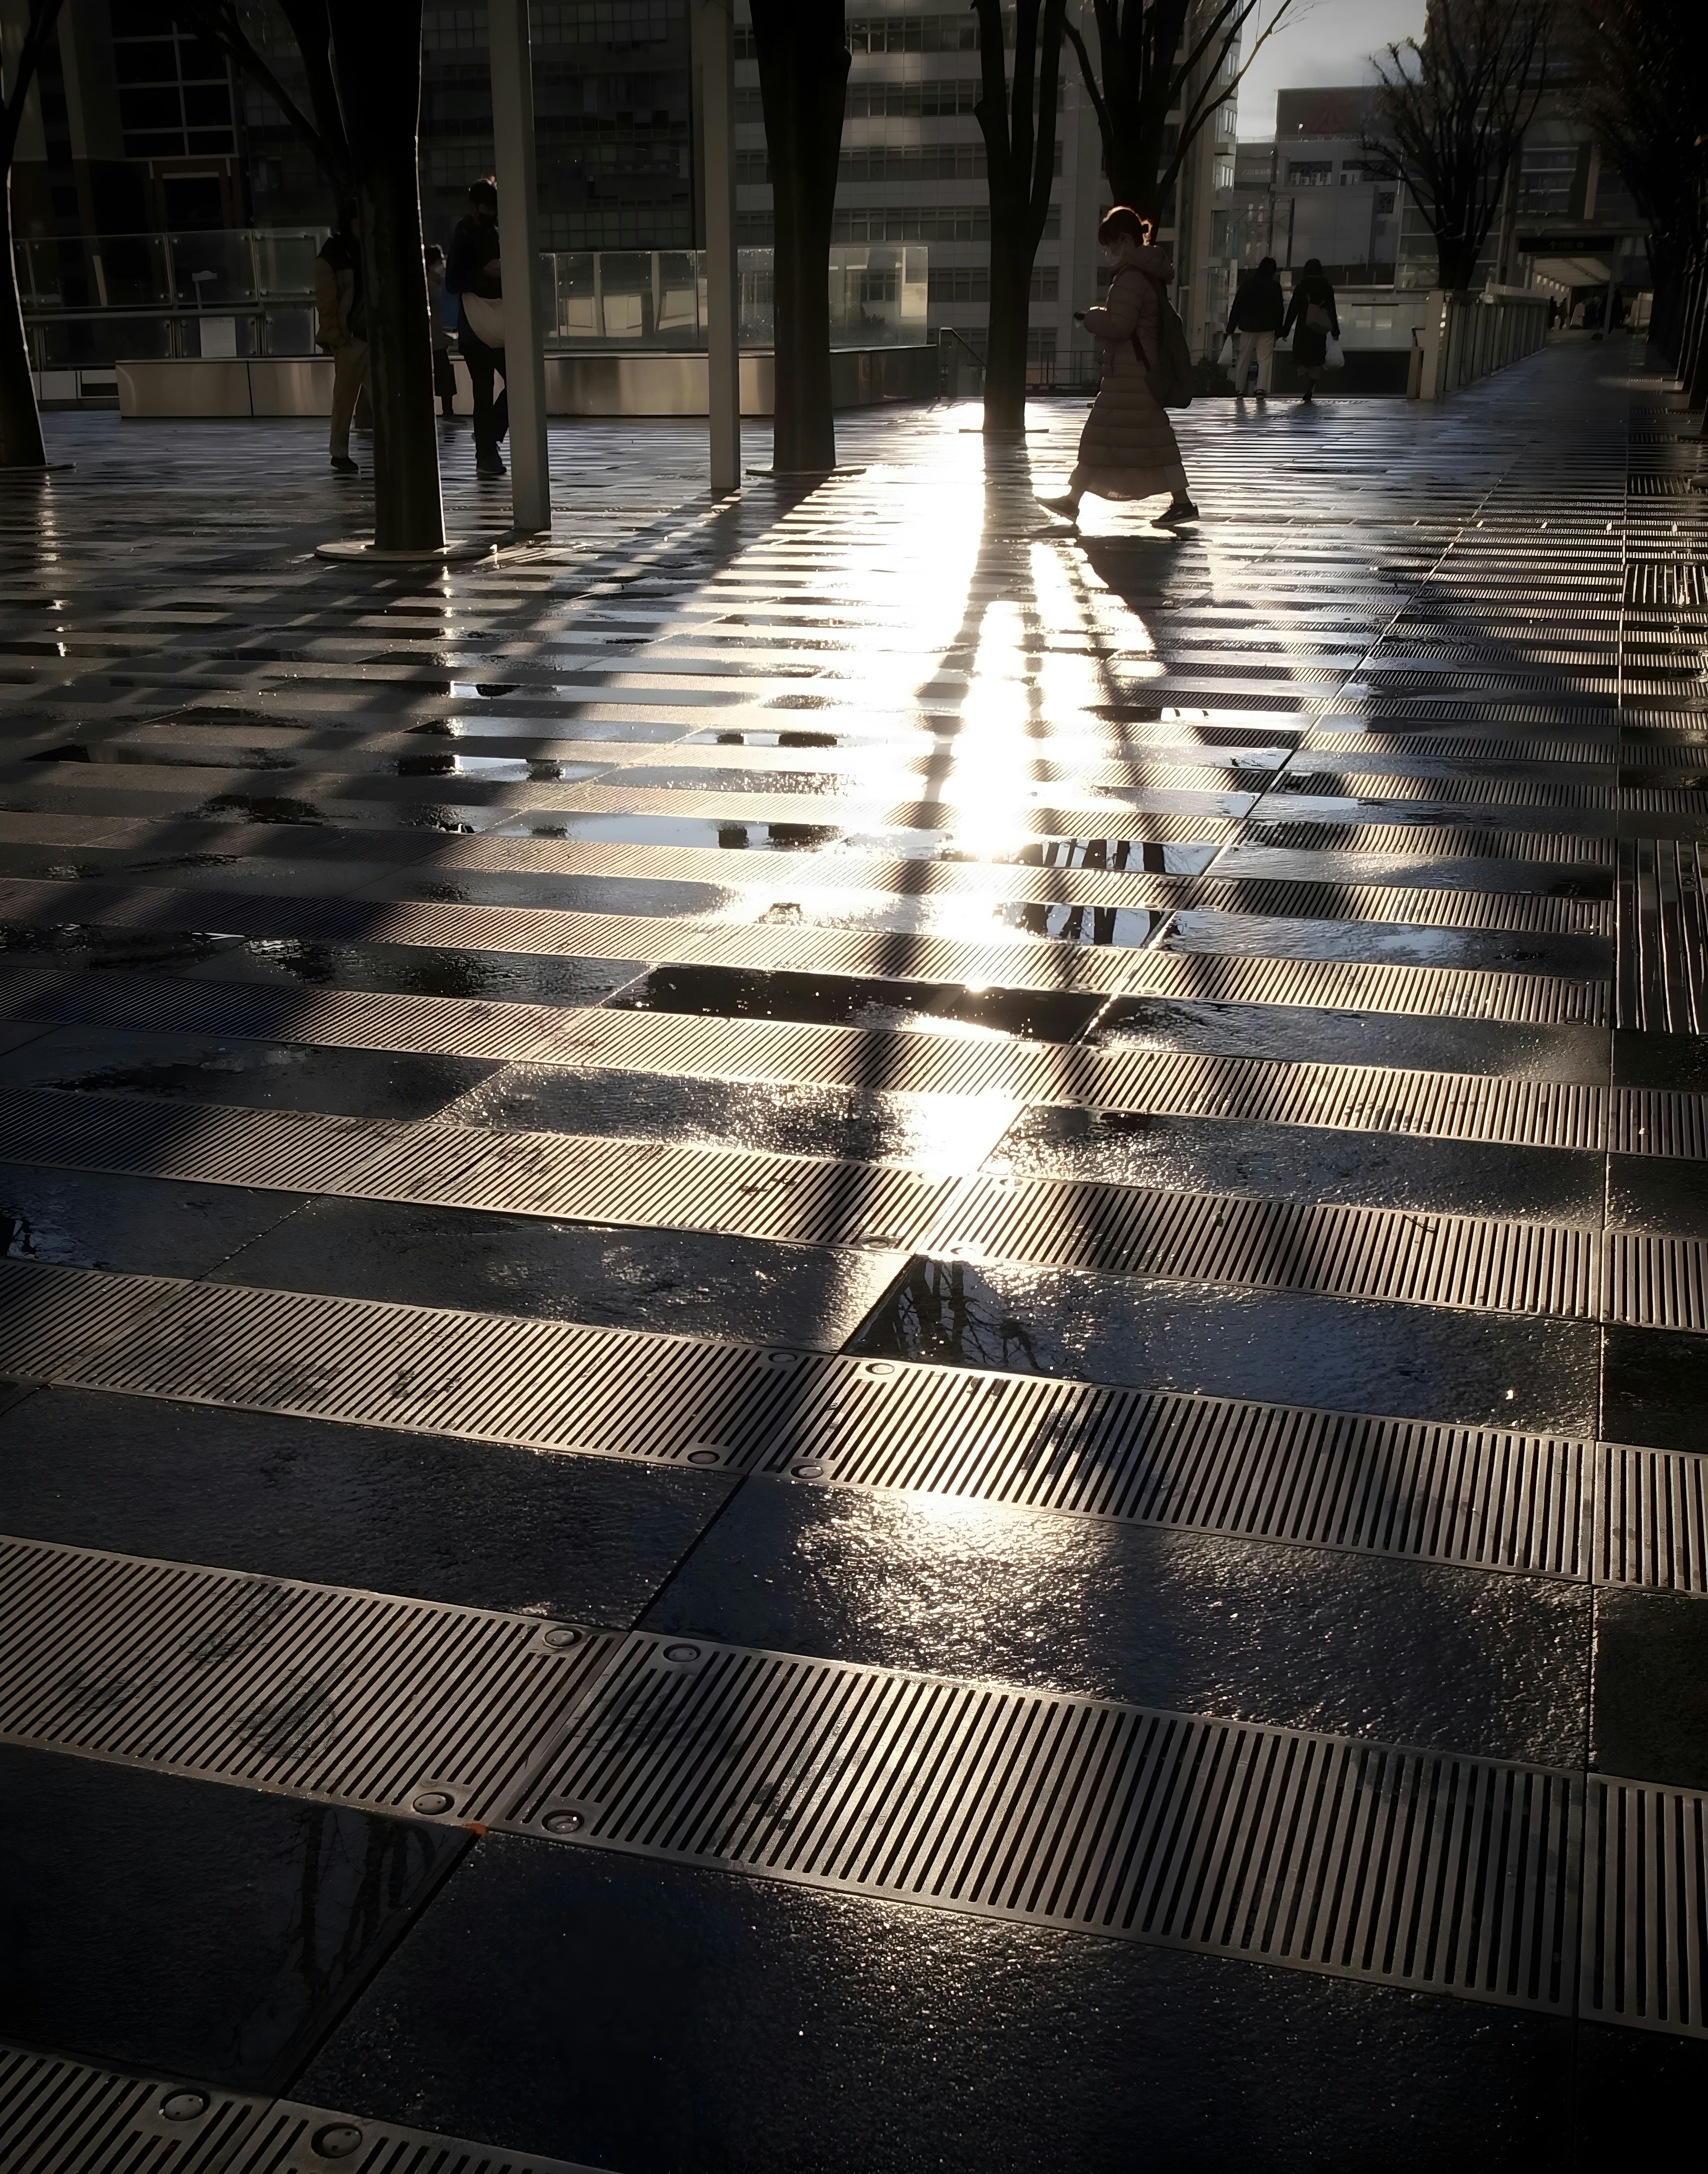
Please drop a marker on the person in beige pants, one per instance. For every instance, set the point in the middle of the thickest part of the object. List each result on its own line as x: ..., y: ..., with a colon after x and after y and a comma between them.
x: 341, y: 327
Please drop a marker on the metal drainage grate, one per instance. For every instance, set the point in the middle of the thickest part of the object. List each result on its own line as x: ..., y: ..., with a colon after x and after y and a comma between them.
x: 1652, y: 1523
x: 486, y: 1377
x: 397, y: 1705
x: 61, y: 2117
x: 1645, y: 1902
x: 1478, y: 1496
x: 596, y: 1179
x: 1418, y: 991
x: 1662, y: 941
x: 1348, y: 1252
x: 302, y: 2139
x: 1433, y: 841
x: 1417, y: 1869
x: 64, y: 2116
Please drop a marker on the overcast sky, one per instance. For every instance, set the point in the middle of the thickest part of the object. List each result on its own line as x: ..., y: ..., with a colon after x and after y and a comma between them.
x: 1320, y: 42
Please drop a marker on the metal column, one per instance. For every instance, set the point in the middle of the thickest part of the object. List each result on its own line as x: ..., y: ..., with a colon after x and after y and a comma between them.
x: 518, y: 216
x: 714, y: 55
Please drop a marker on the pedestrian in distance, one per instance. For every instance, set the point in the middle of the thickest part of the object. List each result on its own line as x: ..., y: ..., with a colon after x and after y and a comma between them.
x: 474, y: 275
x: 1259, y: 309
x: 1313, y: 321
x: 341, y: 327
x: 1127, y: 449
x: 444, y: 376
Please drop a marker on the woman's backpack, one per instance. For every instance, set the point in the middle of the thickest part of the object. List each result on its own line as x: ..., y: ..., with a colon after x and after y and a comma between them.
x: 1169, y: 370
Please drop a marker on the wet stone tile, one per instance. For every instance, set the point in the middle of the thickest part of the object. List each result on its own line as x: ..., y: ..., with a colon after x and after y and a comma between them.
x: 1654, y: 1388
x: 479, y: 1524
x: 1302, y: 1638
x: 681, y: 1282
x: 1488, y: 950
x: 266, y: 1075
x: 741, y: 2024
x: 410, y: 970
x: 1304, y: 1163
x: 1290, y: 1034
x: 143, y: 1226
x: 844, y: 1000
x: 1343, y: 1354
x: 188, y: 1929
x: 1649, y: 1697
x: 933, y: 1133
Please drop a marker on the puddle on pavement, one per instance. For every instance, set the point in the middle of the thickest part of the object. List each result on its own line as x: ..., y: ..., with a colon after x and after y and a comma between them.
x: 403, y: 969
x: 839, y: 1000
x: 673, y: 830
x: 70, y: 944
x: 1385, y: 944
x: 1297, y: 1034
x: 779, y: 740
x: 1281, y: 1347
x: 706, y: 777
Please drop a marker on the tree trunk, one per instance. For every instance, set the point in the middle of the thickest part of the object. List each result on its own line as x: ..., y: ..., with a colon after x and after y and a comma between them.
x: 377, y: 50
x: 803, y: 75
x: 1005, y: 342
x: 21, y: 445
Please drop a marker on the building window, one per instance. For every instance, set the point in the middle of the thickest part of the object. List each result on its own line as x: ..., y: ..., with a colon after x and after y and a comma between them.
x: 174, y: 87
x: 1545, y: 176
x: 1310, y: 173
x: 1385, y: 202
x: 1356, y: 173
x: 928, y: 101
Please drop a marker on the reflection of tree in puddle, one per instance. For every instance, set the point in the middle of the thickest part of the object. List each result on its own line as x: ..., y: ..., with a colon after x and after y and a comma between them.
x: 940, y: 1310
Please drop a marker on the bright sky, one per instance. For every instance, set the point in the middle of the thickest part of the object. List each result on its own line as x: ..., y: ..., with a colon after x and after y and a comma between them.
x: 1320, y: 42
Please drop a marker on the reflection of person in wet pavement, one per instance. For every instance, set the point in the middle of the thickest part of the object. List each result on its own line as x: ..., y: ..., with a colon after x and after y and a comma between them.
x: 1127, y: 449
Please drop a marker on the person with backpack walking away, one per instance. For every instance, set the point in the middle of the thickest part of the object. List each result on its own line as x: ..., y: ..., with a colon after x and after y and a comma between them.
x: 1312, y: 319
x: 473, y: 274
x: 1257, y: 316
x: 341, y: 327
x: 1127, y: 449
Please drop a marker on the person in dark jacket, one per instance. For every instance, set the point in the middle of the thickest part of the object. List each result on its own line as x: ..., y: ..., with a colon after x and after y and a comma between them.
x: 472, y: 270
x: 1252, y: 324
x: 341, y: 327
x: 1310, y: 318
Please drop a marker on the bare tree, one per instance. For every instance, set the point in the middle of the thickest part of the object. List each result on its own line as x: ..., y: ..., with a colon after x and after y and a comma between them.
x: 1152, y: 56
x: 803, y: 49
x: 1640, y: 80
x: 377, y: 62
x: 21, y: 445
x: 1450, y: 115
x: 1017, y: 113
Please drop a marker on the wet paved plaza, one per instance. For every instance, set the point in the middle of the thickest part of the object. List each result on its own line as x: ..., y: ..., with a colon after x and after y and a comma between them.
x: 847, y: 1336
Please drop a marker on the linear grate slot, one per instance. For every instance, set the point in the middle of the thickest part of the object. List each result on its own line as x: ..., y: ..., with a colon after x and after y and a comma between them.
x: 292, y: 2138
x: 1417, y: 1869
x: 1407, y: 1487
x: 1419, y: 992
x: 1350, y: 1252
x: 356, y: 1698
x: 63, y: 2117
x: 1644, y: 1954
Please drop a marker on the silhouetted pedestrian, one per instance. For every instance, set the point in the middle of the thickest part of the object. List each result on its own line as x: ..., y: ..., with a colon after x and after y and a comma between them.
x: 1127, y: 448
x: 474, y: 275
x: 341, y: 327
x: 1259, y: 309
x: 444, y: 376
x: 1313, y: 321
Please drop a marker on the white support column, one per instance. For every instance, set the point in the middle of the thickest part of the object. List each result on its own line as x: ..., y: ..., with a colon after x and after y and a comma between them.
x: 518, y: 220
x: 713, y: 60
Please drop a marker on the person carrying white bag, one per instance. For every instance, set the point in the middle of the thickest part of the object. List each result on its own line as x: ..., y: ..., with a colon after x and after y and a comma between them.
x: 475, y: 272
x: 1252, y: 324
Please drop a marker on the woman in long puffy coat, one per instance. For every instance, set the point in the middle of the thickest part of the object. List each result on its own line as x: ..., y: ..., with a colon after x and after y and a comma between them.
x: 1127, y: 449
x: 1311, y: 318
